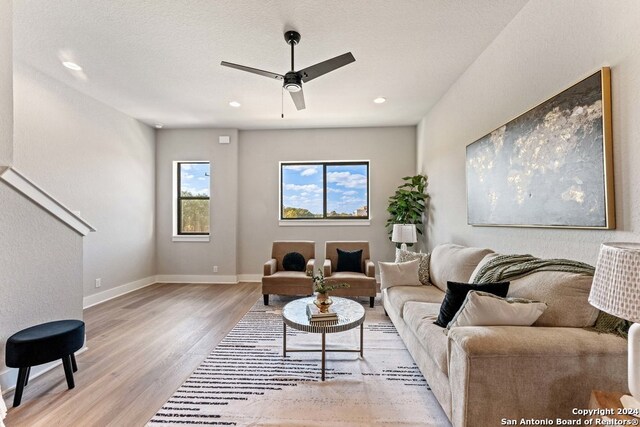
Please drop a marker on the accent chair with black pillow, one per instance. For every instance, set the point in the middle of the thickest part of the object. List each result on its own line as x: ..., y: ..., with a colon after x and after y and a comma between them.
x: 286, y: 272
x: 349, y: 262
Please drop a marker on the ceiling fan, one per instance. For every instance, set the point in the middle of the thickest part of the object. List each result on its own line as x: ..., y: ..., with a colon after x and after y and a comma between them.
x: 292, y: 81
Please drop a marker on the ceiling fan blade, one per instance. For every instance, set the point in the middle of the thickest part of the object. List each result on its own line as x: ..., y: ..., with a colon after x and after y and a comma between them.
x: 253, y: 70
x: 310, y: 73
x: 298, y: 99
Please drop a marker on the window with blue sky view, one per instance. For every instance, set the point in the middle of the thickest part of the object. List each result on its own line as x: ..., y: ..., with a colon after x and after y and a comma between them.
x: 194, y: 183
x: 326, y: 190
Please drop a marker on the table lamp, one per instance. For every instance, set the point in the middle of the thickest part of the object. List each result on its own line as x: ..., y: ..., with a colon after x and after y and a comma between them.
x: 404, y: 233
x: 616, y: 290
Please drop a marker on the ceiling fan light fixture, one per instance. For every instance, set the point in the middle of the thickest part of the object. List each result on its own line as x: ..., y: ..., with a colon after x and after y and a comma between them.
x: 72, y: 66
x: 293, y: 87
x: 292, y: 80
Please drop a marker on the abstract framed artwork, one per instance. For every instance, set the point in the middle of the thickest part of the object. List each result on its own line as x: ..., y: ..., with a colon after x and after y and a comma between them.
x: 549, y: 167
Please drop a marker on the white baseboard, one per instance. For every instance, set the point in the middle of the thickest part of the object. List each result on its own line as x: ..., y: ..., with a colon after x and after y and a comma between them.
x: 9, y: 376
x: 250, y: 278
x: 100, y: 297
x: 195, y: 278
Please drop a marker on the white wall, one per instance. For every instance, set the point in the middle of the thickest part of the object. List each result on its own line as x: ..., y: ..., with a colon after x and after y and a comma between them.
x: 40, y: 269
x: 546, y: 48
x: 391, y: 151
x: 95, y: 160
x: 6, y: 84
x: 41, y: 258
x: 198, y: 258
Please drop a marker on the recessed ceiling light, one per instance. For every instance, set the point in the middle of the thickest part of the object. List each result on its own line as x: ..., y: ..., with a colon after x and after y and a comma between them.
x: 235, y: 104
x: 72, y: 66
x: 379, y: 100
x: 159, y: 125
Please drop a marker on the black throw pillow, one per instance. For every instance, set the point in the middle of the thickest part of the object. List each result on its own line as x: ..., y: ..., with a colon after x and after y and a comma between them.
x: 457, y: 292
x: 293, y: 261
x: 350, y: 261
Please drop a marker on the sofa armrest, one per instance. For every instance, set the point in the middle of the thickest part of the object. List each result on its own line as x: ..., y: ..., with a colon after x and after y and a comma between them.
x: 269, y: 267
x: 311, y: 264
x: 326, y: 268
x: 535, y: 372
x: 369, y: 268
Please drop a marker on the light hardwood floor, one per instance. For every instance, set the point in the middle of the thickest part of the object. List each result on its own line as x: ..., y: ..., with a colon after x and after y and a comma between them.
x: 141, y: 348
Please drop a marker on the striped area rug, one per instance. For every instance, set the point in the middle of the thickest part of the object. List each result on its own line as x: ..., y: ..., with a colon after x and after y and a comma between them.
x: 245, y: 381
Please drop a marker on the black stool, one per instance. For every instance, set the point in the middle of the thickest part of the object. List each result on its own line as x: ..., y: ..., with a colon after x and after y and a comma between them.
x: 42, y: 344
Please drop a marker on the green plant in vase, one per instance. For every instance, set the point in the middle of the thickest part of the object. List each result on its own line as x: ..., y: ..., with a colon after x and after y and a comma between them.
x: 322, y: 289
x: 408, y: 204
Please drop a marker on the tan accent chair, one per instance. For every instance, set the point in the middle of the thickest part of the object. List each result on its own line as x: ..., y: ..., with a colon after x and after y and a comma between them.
x: 280, y: 282
x: 360, y: 284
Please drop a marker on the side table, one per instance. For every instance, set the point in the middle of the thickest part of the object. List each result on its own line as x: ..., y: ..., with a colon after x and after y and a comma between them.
x: 610, y: 402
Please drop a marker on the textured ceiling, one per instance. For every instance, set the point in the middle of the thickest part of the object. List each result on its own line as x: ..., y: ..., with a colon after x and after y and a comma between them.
x: 159, y: 60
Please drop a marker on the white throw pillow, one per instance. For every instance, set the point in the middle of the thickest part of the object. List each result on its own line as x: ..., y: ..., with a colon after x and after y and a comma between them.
x: 399, y: 273
x: 423, y: 270
x: 485, y: 309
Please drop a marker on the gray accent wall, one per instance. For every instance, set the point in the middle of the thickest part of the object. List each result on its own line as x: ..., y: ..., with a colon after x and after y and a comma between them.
x: 198, y: 258
x: 541, y: 52
x: 390, y: 150
x: 97, y: 161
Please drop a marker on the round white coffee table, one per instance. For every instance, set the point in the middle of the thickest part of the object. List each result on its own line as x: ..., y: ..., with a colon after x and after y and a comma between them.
x: 350, y: 315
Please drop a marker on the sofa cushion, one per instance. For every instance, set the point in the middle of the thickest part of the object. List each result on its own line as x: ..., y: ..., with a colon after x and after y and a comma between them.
x: 481, y: 264
x: 349, y: 261
x: 454, y: 263
x: 358, y: 282
x: 398, y: 296
x: 566, y: 295
x: 399, y: 273
x: 423, y: 270
x: 287, y: 277
x: 293, y: 261
x: 456, y: 294
x: 485, y: 309
x: 419, y: 317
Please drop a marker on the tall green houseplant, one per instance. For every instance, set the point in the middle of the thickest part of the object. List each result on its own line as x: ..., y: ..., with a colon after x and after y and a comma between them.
x: 408, y: 204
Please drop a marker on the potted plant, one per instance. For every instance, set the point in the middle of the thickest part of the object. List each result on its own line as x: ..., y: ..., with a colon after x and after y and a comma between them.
x: 322, y: 289
x: 408, y: 204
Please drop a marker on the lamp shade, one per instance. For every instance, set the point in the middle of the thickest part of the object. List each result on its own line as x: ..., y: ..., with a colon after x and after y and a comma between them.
x: 404, y: 233
x: 616, y: 282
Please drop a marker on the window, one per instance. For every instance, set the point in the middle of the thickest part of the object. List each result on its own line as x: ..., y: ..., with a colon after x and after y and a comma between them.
x: 193, y: 179
x: 324, y: 190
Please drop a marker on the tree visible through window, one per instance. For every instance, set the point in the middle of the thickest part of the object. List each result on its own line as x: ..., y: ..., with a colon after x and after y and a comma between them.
x: 324, y: 190
x: 193, y: 197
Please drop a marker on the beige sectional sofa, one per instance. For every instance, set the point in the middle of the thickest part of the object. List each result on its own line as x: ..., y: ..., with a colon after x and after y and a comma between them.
x: 482, y: 375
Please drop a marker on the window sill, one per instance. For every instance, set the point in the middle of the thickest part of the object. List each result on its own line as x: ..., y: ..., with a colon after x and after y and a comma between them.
x: 324, y: 222
x: 203, y: 238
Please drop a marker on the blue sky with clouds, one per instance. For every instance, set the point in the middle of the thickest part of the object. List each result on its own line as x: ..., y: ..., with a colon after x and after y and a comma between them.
x: 195, y: 178
x: 346, y: 187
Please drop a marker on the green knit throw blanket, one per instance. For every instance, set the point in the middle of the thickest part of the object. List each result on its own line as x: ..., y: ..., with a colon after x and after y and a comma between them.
x: 511, y: 267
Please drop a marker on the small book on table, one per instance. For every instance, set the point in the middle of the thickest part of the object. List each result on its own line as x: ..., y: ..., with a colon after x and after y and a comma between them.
x: 315, y: 315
